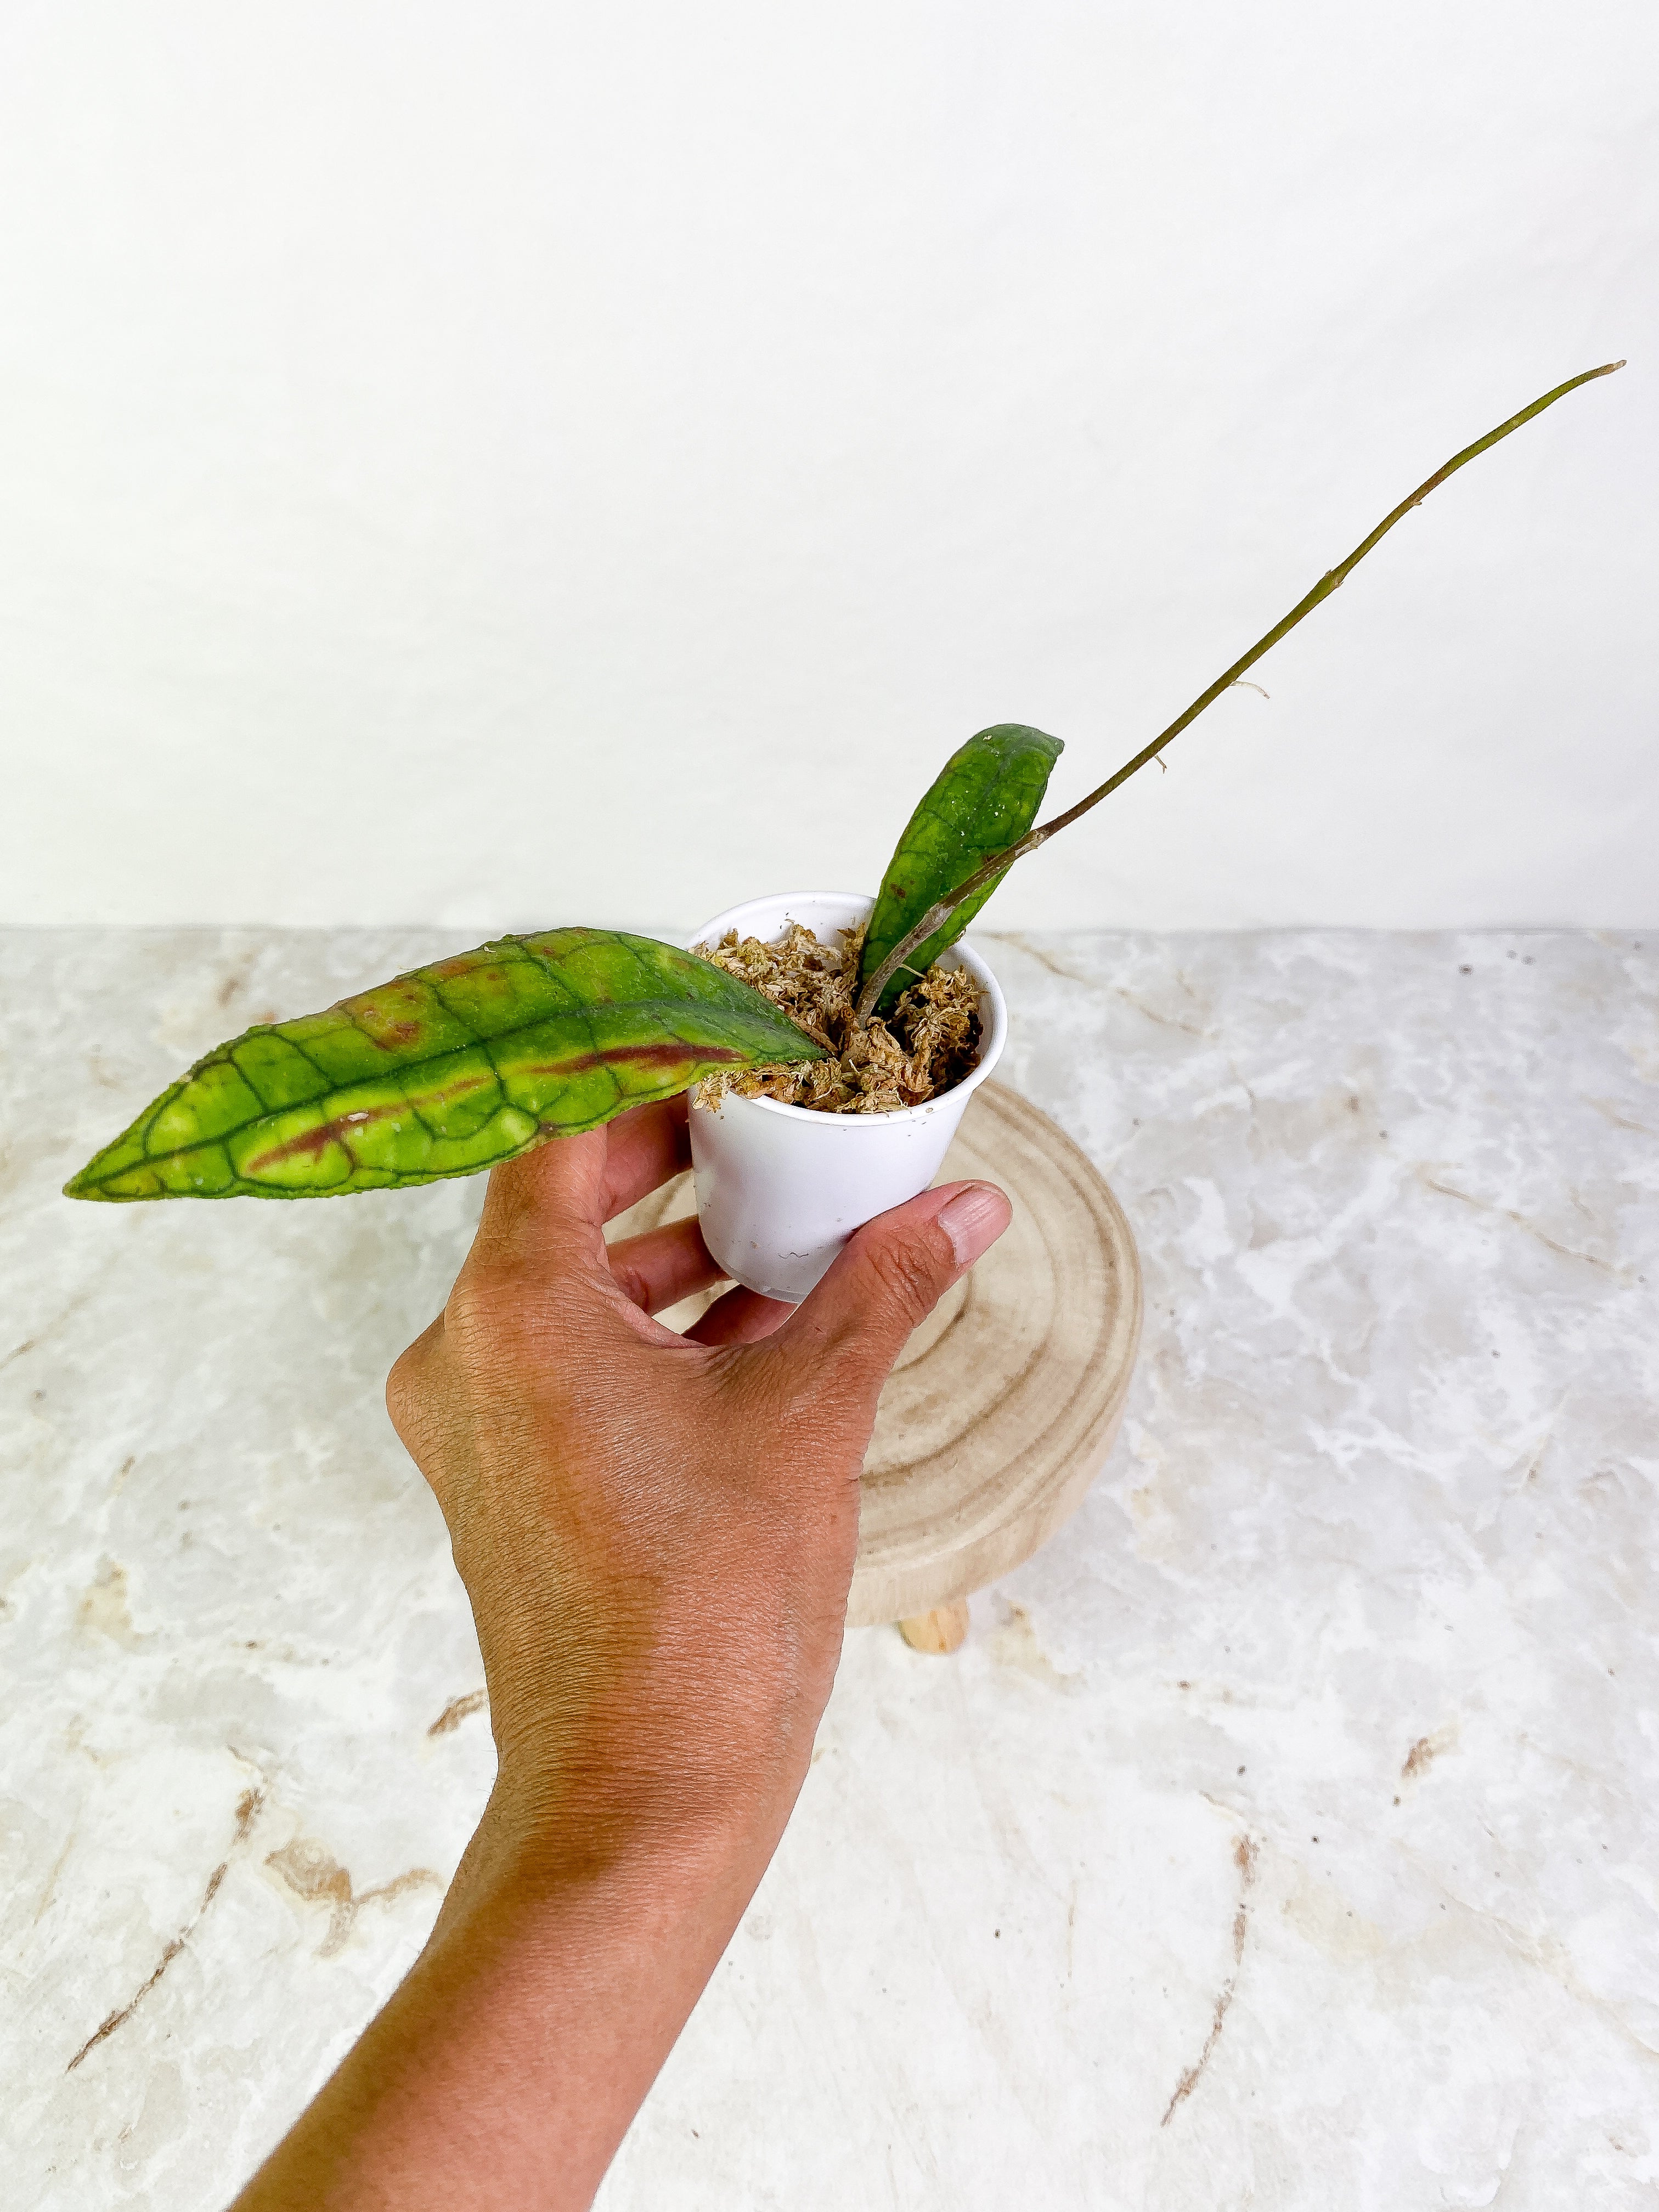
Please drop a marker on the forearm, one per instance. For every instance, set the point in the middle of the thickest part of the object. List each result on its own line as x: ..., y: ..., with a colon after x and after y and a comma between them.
x: 507, y: 2067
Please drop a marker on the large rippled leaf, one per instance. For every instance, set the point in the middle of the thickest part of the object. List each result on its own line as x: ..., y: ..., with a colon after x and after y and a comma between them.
x: 985, y: 800
x: 444, y: 1071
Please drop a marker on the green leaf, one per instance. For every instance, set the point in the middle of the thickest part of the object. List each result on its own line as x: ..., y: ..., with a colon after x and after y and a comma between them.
x: 986, y: 799
x: 444, y: 1071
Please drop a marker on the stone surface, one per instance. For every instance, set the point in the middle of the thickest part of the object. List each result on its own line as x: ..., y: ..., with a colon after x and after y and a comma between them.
x: 1280, y: 1836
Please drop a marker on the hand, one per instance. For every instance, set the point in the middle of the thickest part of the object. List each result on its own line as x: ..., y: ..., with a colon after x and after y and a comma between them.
x: 657, y: 1535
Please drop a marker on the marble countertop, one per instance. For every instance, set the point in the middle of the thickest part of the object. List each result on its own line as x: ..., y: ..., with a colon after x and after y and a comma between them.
x: 1282, y: 1836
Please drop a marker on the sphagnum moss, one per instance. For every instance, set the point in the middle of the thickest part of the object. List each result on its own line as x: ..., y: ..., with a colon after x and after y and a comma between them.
x: 928, y: 1042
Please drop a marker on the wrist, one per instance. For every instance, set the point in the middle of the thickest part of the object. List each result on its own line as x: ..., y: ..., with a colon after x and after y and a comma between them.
x: 672, y: 1812
x: 545, y: 1855
x: 622, y: 1736
x: 645, y: 1795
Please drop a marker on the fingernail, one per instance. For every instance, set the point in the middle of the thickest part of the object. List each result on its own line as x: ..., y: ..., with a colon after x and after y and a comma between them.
x: 973, y: 1220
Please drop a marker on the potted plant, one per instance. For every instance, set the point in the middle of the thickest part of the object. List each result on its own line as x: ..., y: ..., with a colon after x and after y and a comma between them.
x: 831, y: 1042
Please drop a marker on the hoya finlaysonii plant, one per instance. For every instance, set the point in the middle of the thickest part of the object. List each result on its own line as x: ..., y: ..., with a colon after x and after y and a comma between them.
x: 464, y: 1064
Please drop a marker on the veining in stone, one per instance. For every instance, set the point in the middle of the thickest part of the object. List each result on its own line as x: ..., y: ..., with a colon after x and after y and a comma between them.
x: 1281, y: 1836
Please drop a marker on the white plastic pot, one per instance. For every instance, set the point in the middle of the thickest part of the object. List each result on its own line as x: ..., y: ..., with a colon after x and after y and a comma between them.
x: 780, y: 1189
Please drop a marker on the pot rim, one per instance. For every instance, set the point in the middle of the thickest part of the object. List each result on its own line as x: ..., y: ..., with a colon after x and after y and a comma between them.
x: 992, y: 1031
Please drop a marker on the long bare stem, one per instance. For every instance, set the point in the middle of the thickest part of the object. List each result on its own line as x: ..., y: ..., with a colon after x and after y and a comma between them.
x: 938, y: 914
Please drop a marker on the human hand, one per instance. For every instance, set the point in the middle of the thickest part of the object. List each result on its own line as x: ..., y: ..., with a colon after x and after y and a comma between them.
x: 657, y: 1534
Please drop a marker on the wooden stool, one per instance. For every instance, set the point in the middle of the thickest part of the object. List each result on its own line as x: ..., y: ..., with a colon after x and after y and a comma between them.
x: 1004, y: 1403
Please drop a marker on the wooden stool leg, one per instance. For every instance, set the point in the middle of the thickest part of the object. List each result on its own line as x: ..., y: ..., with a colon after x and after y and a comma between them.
x: 939, y: 1631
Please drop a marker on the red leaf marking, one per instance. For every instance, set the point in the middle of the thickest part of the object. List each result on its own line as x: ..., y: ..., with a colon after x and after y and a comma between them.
x: 636, y: 1055
x: 465, y: 963
x: 391, y: 1015
x: 315, y: 1142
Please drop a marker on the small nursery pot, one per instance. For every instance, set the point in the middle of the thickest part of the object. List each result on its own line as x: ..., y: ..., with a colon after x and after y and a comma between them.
x: 781, y: 1189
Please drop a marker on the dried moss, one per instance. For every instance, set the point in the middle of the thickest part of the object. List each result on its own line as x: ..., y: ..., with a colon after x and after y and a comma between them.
x: 929, y: 1042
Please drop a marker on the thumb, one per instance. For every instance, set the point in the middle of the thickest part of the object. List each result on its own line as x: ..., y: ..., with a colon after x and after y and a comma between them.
x: 893, y: 1273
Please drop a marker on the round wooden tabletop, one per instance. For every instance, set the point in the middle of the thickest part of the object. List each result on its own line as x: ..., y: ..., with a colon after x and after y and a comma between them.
x: 1004, y: 1404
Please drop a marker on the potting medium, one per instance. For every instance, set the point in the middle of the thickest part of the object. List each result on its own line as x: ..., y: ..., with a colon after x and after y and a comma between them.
x: 781, y: 1189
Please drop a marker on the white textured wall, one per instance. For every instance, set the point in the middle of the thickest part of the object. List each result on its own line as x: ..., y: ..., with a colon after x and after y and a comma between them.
x: 512, y: 463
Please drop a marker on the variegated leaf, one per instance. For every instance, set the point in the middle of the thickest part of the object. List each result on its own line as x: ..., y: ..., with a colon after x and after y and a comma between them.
x: 444, y: 1071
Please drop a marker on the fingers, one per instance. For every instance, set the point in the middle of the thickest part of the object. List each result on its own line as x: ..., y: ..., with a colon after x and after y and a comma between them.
x: 573, y: 1183
x: 648, y: 1146
x: 891, y: 1275
x: 740, y: 1316
x: 545, y: 1200
x: 663, y: 1266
